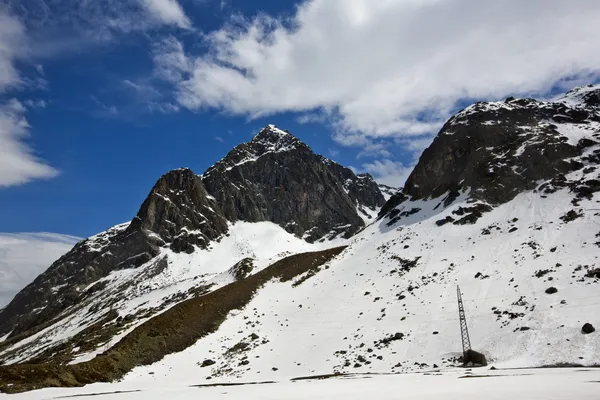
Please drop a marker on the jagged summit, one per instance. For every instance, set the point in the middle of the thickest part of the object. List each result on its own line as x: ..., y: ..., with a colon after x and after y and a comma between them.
x: 271, y: 138
x: 278, y: 178
x: 180, y: 212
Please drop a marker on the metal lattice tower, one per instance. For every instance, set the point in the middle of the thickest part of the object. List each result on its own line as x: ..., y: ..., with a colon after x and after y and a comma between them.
x: 464, y: 332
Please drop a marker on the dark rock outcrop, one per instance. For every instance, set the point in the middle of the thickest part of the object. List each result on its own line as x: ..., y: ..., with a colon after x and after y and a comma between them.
x: 275, y: 177
x: 494, y: 151
x: 497, y: 150
x: 180, y: 212
x: 551, y: 290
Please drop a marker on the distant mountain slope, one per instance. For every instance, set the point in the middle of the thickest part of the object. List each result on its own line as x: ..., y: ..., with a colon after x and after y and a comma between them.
x: 23, y: 256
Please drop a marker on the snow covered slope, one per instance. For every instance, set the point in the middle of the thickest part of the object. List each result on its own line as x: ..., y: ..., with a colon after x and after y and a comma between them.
x: 388, y: 303
x: 128, y: 297
x: 187, y: 234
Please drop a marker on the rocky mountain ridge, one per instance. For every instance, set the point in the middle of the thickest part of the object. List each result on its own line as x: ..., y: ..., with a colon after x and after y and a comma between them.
x: 275, y: 177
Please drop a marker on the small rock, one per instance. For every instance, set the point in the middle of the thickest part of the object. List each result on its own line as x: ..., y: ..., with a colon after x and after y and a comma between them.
x: 551, y: 290
x: 587, y: 328
x: 524, y: 328
x: 207, y: 363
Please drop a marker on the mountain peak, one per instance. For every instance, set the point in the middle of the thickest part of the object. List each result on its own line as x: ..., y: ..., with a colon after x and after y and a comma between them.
x: 586, y: 96
x: 271, y: 138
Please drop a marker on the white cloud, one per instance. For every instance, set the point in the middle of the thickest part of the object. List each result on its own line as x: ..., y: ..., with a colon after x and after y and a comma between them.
x: 388, y: 172
x: 12, y: 44
x: 380, y: 67
x: 23, y: 256
x: 18, y: 163
x: 168, y: 12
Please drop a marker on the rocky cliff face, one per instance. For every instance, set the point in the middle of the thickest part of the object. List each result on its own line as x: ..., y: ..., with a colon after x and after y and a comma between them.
x: 274, y: 177
x: 497, y: 150
x: 180, y: 212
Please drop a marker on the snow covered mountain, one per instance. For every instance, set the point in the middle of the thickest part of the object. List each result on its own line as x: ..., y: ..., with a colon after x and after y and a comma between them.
x: 267, y: 198
x: 503, y: 203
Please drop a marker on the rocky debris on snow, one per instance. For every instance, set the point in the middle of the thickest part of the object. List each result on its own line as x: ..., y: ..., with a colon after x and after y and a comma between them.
x: 571, y: 216
x: 444, y: 221
x: 405, y: 264
x: 389, y: 339
x: 593, y: 273
x: 479, y: 275
x: 470, y: 215
x: 551, y: 290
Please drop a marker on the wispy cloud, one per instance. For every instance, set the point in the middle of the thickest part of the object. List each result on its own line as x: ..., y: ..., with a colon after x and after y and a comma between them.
x: 18, y: 162
x: 31, y: 30
x: 13, y: 42
x: 169, y: 12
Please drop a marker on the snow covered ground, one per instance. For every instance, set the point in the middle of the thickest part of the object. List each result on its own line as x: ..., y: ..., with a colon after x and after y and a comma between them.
x: 538, y: 384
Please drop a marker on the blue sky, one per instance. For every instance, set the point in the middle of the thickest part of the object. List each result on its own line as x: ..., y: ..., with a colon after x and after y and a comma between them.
x: 98, y: 99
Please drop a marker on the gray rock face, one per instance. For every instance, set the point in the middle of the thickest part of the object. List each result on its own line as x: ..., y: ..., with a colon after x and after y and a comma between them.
x: 275, y: 177
x: 497, y: 150
x: 180, y: 212
x: 501, y: 149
